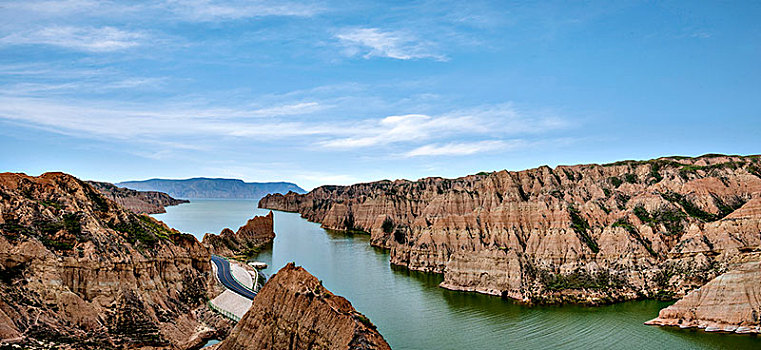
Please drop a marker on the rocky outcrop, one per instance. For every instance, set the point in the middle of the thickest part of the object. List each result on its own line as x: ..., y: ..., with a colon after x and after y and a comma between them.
x: 80, y: 271
x: 728, y: 303
x: 583, y: 233
x: 245, y: 242
x: 294, y: 311
x: 140, y: 202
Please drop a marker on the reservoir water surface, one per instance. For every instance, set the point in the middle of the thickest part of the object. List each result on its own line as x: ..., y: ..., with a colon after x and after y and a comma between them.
x: 412, y: 312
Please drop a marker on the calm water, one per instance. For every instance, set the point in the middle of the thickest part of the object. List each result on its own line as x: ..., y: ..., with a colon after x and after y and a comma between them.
x: 413, y: 313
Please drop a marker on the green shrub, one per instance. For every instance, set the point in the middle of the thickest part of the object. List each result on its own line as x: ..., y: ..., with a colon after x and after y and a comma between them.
x: 388, y: 225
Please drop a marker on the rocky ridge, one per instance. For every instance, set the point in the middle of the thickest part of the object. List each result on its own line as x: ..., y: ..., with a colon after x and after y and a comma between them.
x: 585, y: 233
x: 140, y: 202
x: 294, y: 311
x: 247, y: 241
x: 79, y: 271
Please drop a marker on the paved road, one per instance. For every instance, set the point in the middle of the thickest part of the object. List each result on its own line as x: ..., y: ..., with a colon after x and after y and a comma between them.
x: 224, y: 275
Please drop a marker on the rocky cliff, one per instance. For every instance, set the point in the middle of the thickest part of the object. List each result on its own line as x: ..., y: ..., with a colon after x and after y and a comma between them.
x: 247, y: 241
x: 583, y: 233
x: 79, y: 271
x: 294, y: 311
x: 728, y: 303
x: 141, y: 202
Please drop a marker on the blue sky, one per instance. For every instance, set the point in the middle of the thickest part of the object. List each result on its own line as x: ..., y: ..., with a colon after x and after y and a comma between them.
x: 340, y: 92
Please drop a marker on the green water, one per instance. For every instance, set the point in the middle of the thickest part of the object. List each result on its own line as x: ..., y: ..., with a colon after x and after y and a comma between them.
x: 413, y: 313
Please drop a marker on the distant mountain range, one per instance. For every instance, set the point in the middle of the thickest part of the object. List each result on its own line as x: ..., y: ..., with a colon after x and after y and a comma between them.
x: 202, y: 187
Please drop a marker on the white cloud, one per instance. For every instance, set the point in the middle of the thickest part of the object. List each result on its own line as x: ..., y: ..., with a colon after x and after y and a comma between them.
x: 491, y: 120
x: 207, y: 10
x: 404, y: 128
x: 289, y: 109
x: 463, y: 148
x: 183, y: 10
x: 112, y: 120
x: 372, y: 42
x: 91, y: 39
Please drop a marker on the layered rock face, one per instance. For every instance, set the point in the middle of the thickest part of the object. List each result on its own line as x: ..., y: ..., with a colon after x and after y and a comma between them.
x: 294, y: 311
x: 247, y: 241
x: 80, y: 271
x: 584, y: 233
x: 728, y: 303
x: 140, y: 202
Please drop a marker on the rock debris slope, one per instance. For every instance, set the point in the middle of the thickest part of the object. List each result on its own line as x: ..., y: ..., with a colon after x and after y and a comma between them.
x: 583, y: 233
x: 294, y: 311
x: 79, y: 271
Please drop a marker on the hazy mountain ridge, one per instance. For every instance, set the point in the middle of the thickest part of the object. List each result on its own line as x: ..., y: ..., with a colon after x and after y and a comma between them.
x: 202, y: 187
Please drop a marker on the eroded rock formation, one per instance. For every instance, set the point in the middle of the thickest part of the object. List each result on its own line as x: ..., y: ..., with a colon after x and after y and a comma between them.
x: 140, y: 202
x: 247, y: 241
x: 584, y: 233
x: 78, y: 270
x: 294, y: 311
x: 728, y: 303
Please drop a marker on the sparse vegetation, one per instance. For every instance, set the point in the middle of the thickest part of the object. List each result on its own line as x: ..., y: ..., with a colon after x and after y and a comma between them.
x: 582, y: 228
x: 690, y: 208
x: 581, y: 279
x: 626, y: 225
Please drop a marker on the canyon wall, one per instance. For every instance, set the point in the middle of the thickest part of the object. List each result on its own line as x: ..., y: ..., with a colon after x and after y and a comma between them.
x: 583, y: 233
x: 294, y: 311
x: 140, y: 202
x: 247, y: 241
x: 79, y: 271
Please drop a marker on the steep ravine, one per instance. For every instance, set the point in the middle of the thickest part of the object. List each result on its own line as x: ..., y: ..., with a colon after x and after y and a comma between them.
x: 79, y: 271
x: 585, y: 233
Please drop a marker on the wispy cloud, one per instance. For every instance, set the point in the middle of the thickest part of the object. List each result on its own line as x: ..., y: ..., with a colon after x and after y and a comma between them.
x: 91, y: 39
x: 182, y: 10
x: 373, y: 42
x: 491, y: 121
x: 404, y: 128
x: 463, y: 148
x: 207, y: 10
x: 488, y: 128
x: 135, y: 123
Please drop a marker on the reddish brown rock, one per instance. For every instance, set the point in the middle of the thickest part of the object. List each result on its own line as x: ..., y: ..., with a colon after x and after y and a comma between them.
x: 584, y: 233
x: 78, y: 270
x: 247, y: 241
x: 294, y: 311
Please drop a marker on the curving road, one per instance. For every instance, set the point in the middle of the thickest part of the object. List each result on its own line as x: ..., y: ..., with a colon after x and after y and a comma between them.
x: 224, y: 275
